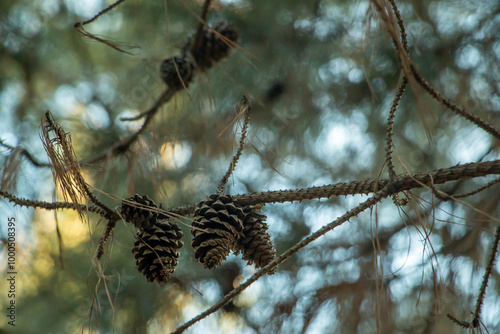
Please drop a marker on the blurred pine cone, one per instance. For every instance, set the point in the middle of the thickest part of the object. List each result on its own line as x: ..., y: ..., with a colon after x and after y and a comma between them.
x: 214, y: 45
x: 138, y: 215
x: 156, y: 250
x: 176, y: 71
x: 256, y: 245
x: 217, y: 225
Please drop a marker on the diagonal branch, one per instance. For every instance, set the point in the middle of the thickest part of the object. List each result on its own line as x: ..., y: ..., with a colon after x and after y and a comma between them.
x: 412, y: 72
x: 123, y: 145
x: 377, y: 197
x: 245, y: 107
x: 201, y: 24
x: 102, y: 12
x: 486, y: 277
x: 26, y: 154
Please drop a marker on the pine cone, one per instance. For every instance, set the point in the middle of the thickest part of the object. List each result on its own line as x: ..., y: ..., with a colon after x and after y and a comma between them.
x: 217, y: 225
x: 256, y: 245
x: 138, y: 215
x: 176, y: 71
x: 212, y: 47
x: 156, y: 250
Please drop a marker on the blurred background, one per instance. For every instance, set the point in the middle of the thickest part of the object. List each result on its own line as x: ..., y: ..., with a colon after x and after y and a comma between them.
x: 321, y: 76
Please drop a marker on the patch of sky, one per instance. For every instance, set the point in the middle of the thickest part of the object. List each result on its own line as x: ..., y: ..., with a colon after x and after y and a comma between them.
x: 96, y: 116
x: 343, y: 137
x: 324, y: 320
x: 469, y: 144
x: 26, y: 20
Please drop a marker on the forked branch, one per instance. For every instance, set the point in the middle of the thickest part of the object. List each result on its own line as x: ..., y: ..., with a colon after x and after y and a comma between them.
x: 377, y: 197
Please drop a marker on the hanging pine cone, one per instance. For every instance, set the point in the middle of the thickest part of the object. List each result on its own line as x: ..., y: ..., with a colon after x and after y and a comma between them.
x: 156, y: 250
x: 176, y: 71
x: 138, y: 215
x: 256, y: 245
x: 215, y: 44
x: 217, y: 225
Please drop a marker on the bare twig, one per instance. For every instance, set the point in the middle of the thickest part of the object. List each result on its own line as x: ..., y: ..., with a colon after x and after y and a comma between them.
x: 390, y: 122
x: 108, y: 230
x: 486, y: 277
x: 463, y: 324
x: 454, y: 108
x: 377, y: 197
x: 102, y: 12
x: 478, y: 190
x: 123, y: 145
x: 245, y: 107
x: 202, y: 22
x: 412, y: 72
x: 26, y: 154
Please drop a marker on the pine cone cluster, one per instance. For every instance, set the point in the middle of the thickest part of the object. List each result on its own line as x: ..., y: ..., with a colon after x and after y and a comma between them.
x: 217, y: 226
x: 215, y: 45
x: 256, y: 245
x: 177, y: 72
x: 156, y: 250
x: 138, y: 215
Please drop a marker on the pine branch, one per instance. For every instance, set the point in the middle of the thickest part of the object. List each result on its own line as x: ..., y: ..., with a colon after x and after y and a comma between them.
x: 401, y: 183
x: 246, y: 107
x: 412, y: 72
x: 377, y: 197
x: 51, y: 205
x: 486, y: 278
x: 390, y: 122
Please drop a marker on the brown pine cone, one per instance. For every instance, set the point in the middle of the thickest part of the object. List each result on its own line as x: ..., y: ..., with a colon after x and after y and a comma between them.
x: 138, y: 215
x: 215, y: 45
x: 217, y: 226
x: 156, y: 250
x: 177, y: 72
x: 256, y: 245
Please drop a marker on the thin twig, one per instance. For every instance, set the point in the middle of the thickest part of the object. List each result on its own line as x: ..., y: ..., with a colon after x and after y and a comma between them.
x: 402, y: 30
x: 454, y: 108
x: 123, y: 145
x: 478, y: 190
x: 247, y: 108
x: 412, y: 71
x: 108, y: 230
x: 26, y: 154
x: 199, y: 30
x: 390, y: 122
x: 102, y: 12
x: 377, y: 197
x: 51, y: 205
x: 486, y: 277
x: 463, y: 324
